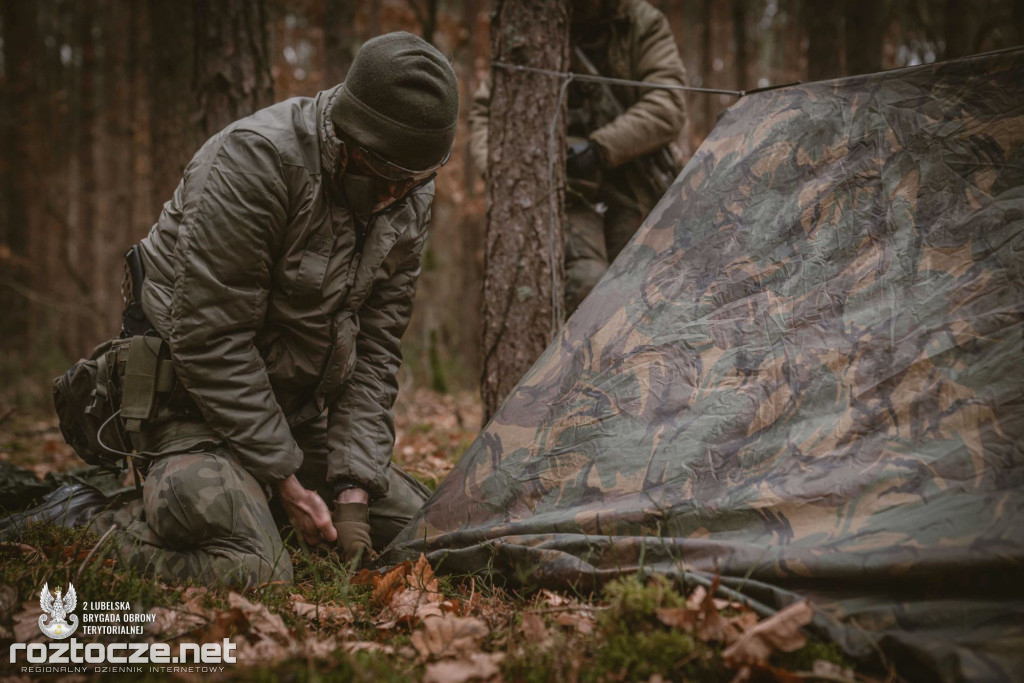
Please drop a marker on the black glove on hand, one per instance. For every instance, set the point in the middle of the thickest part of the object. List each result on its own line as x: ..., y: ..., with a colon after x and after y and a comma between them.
x: 351, y: 520
x: 582, y: 160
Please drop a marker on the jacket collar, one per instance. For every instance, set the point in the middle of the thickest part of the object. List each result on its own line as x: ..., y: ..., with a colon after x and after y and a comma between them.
x: 330, y: 145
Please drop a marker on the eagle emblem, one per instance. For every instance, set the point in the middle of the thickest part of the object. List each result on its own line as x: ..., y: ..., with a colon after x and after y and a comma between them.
x: 58, y: 610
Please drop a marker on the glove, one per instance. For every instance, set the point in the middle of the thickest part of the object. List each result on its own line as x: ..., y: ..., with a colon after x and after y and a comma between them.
x: 582, y: 160
x: 351, y: 520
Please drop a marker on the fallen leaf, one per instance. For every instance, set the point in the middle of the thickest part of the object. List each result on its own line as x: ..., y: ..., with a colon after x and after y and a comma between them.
x: 677, y: 617
x: 696, y: 598
x: 262, y: 622
x: 26, y: 623
x: 352, y: 647
x: 553, y: 599
x: 581, y: 621
x: 479, y: 666
x: 324, y: 613
x: 712, y: 626
x: 8, y: 601
x: 422, y: 576
x: 387, y: 584
x: 174, y: 622
x: 534, y: 629
x: 319, y: 648
x: 779, y: 632
x: 743, y: 621
x: 449, y: 636
x: 364, y: 577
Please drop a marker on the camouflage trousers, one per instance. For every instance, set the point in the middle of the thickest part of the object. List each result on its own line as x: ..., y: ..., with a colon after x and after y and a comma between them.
x: 202, y: 516
x: 592, y: 241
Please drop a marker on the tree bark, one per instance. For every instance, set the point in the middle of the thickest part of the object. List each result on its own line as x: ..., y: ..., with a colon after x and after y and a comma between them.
x: 174, y: 137
x: 232, y: 61
x: 823, y: 23
x: 706, y: 68
x: 523, y: 268
x: 18, y: 24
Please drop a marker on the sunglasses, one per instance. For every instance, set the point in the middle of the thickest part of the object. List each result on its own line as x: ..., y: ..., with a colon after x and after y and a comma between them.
x: 368, y: 160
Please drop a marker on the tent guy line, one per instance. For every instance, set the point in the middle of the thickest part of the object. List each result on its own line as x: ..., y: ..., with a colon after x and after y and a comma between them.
x: 569, y: 75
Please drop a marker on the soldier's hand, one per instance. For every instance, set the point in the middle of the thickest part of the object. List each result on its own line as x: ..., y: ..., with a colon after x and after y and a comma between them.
x: 582, y: 160
x: 307, y: 511
x: 352, y: 522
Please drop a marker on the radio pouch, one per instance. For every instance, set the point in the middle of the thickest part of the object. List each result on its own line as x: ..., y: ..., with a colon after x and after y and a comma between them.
x: 142, y: 380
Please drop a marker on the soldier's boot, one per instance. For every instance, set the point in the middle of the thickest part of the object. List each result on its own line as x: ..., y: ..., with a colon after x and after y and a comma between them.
x: 586, y: 256
x: 202, y: 516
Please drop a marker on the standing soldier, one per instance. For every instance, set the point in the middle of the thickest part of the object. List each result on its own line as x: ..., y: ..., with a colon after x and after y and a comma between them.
x: 278, y: 282
x: 618, y: 164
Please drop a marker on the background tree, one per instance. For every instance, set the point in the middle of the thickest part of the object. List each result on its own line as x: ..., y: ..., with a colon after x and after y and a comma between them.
x: 526, y: 176
x: 823, y: 22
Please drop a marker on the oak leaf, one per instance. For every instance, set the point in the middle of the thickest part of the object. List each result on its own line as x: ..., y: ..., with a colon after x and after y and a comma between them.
x: 385, y: 586
x: 263, y: 623
x: 449, y: 636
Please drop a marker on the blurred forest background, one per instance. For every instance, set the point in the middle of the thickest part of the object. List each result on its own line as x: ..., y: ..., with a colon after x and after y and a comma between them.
x: 103, y: 102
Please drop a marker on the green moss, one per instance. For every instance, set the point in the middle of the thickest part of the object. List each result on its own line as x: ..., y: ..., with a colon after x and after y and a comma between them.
x: 640, y: 655
x: 631, y: 602
x: 804, y: 658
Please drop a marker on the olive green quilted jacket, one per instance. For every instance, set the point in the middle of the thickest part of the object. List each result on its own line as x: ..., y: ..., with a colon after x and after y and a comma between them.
x: 274, y: 308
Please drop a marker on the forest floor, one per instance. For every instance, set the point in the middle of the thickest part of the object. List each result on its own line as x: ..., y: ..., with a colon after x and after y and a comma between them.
x: 406, y: 623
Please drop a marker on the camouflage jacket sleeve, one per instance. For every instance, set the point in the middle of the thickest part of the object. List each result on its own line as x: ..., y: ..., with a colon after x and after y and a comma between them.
x: 479, y: 119
x: 657, y: 117
x: 360, y: 424
x: 235, y: 213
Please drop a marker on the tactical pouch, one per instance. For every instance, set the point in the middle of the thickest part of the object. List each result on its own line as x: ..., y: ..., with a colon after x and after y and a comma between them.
x: 147, y: 372
x: 129, y: 375
x: 84, y: 401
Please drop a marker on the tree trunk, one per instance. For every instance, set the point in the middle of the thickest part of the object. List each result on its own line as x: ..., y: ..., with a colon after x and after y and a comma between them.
x: 706, y: 68
x: 79, y: 243
x: 957, y: 33
x: 865, y: 30
x: 523, y: 268
x: 823, y: 23
x: 174, y: 137
x: 739, y: 31
x: 18, y: 24
x: 340, y: 39
x: 232, y: 61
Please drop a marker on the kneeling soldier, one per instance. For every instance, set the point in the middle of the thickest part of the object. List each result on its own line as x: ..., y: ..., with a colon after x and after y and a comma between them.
x: 280, y: 277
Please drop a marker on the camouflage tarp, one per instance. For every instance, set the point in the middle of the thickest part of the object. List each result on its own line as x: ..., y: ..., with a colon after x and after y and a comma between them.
x: 806, y: 372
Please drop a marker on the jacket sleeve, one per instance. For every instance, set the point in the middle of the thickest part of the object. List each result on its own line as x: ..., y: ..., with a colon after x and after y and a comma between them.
x: 479, y: 120
x: 235, y: 215
x: 361, y: 425
x: 657, y: 118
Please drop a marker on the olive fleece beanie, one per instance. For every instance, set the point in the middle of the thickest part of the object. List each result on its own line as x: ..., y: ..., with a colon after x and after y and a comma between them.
x: 400, y: 99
